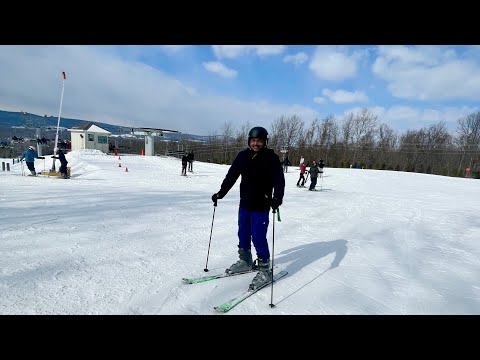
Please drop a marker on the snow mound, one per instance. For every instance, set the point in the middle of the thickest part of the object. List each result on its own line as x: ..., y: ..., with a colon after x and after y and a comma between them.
x: 85, y: 153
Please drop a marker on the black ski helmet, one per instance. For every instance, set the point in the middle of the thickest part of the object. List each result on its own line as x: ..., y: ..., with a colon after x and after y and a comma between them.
x: 259, y: 133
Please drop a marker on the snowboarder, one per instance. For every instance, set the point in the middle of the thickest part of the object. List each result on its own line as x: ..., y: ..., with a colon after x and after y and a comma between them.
x: 262, y: 186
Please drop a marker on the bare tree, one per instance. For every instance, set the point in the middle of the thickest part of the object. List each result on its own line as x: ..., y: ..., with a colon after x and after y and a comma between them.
x: 279, y: 133
x: 347, y: 129
x: 363, y: 128
x: 227, y: 137
x: 387, y: 142
x: 242, y: 134
x: 294, y: 130
x: 328, y: 132
x: 469, y: 136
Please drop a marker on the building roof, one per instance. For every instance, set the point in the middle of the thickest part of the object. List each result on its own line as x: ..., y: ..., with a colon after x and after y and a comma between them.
x: 90, y: 126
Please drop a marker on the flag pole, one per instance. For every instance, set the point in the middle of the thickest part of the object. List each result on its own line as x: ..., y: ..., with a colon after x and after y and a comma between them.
x: 58, y: 123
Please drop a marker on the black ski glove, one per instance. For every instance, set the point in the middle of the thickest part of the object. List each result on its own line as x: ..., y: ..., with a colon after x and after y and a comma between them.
x: 216, y: 197
x: 275, y: 203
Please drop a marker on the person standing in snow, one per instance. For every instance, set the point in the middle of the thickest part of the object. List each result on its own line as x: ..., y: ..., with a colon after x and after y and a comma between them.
x: 30, y: 155
x: 314, y: 170
x: 190, y: 158
x: 184, y: 165
x: 286, y: 164
x: 262, y: 186
x: 302, y: 160
x: 303, y: 167
x: 321, y: 166
x: 63, y: 162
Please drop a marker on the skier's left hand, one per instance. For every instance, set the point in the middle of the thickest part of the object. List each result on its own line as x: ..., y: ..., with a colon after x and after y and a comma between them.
x: 275, y: 203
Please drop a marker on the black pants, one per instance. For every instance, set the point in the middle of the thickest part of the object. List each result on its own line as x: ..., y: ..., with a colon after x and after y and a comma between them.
x: 313, y: 183
x: 184, y: 169
x: 63, y: 168
x: 30, y: 165
x: 190, y: 166
x: 302, y: 177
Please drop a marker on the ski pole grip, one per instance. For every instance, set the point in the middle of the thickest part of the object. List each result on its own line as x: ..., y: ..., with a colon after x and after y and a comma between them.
x: 278, y: 215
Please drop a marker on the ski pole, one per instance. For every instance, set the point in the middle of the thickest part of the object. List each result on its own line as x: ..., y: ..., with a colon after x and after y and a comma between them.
x: 21, y: 163
x: 273, y: 254
x: 208, y: 252
x: 321, y: 183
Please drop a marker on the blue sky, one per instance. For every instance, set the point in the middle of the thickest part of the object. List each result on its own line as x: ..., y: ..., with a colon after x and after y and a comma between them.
x: 197, y: 89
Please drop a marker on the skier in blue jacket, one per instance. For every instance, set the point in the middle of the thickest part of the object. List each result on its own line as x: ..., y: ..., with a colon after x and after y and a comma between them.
x: 261, y: 188
x: 30, y: 155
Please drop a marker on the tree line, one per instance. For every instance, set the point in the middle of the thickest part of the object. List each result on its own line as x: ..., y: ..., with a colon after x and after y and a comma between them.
x: 359, y: 138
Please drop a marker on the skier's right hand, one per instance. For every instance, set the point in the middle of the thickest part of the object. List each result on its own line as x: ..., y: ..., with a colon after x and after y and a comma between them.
x: 216, y: 197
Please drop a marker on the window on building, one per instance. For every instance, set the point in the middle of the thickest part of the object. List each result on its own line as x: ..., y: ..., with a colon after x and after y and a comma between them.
x: 91, y: 137
x: 102, y: 139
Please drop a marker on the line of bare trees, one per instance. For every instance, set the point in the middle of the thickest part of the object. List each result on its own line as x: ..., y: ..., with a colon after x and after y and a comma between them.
x: 360, y: 138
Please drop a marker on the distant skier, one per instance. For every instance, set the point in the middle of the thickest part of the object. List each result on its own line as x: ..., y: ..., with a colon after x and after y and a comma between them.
x: 302, y: 160
x: 314, y: 171
x: 190, y: 158
x: 303, y: 168
x: 320, y: 166
x: 184, y: 165
x: 286, y: 164
x: 30, y: 155
x: 63, y: 162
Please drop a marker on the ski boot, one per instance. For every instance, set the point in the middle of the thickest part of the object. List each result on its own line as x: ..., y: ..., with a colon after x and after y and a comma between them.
x: 244, y: 264
x: 263, y: 276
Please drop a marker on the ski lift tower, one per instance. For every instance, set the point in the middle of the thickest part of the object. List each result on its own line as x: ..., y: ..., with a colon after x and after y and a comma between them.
x: 149, y: 133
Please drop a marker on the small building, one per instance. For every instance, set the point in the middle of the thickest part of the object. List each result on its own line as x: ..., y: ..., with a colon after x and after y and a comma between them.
x: 89, y: 136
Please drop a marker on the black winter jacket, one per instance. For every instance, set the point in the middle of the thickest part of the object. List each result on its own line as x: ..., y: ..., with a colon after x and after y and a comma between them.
x: 61, y: 157
x: 262, y: 174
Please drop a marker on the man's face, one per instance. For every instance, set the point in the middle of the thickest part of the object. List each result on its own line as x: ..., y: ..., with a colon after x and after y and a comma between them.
x: 256, y: 144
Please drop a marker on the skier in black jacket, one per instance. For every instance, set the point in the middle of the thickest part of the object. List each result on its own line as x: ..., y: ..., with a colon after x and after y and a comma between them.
x: 63, y: 162
x: 262, y: 186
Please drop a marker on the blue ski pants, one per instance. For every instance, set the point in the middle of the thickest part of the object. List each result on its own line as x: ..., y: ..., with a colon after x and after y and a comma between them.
x: 252, y: 227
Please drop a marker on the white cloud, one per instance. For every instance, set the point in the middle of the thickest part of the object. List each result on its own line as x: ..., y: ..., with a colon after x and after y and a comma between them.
x: 234, y: 51
x: 297, y: 59
x: 404, y: 117
x: 220, y: 69
x: 319, y: 100
x: 334, y: 63
x: 428, y: 73
x: 102, y: 87
x: 343, y: 96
